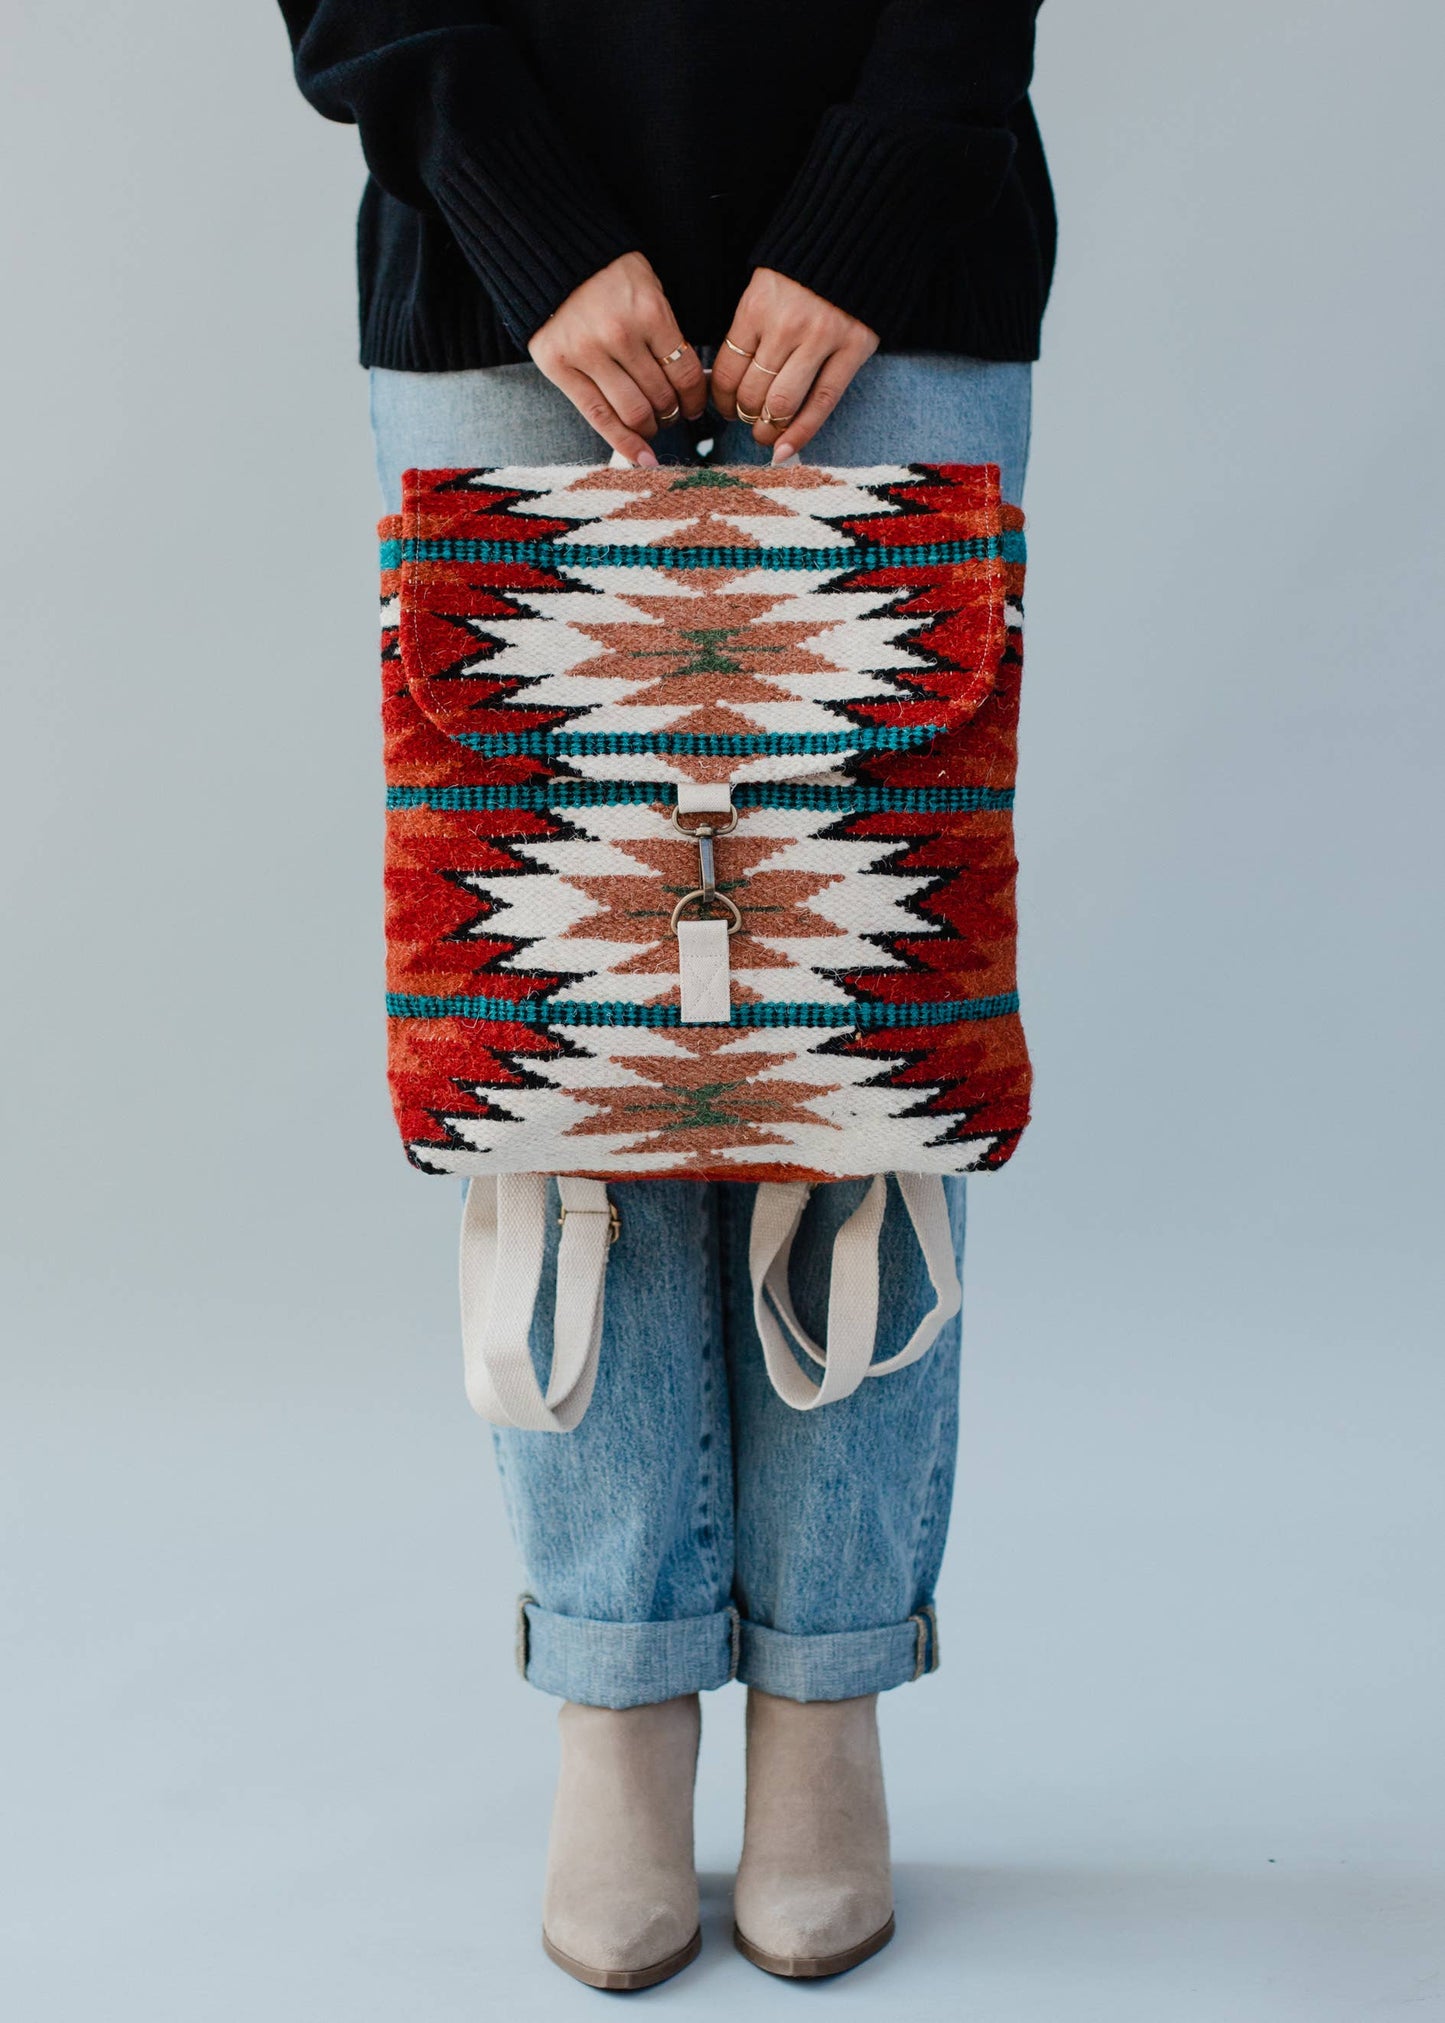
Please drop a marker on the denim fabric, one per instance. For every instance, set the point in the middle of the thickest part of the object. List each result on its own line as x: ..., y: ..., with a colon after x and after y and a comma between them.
x: 694, y: 1528
x: 903, y: 407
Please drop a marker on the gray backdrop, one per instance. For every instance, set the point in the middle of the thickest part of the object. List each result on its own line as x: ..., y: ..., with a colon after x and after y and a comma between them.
x: 267, y: 1756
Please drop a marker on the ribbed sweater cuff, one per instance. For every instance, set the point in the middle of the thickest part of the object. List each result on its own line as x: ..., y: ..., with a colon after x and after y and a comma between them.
x: 861, y: 222
x: 532, y: 230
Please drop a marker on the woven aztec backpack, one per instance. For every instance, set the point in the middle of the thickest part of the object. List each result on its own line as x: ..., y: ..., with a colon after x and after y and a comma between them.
x: 699, y: 866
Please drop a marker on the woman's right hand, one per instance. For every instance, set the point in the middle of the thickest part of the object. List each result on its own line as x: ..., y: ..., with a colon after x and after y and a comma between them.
x: 608, y: 348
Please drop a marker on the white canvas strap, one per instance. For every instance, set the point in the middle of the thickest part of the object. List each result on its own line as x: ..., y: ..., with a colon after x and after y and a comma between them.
x: 852, y: 1286
x: 504, y: 1227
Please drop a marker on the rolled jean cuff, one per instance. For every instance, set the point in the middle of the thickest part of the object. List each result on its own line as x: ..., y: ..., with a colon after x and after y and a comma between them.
x: 839, y: 1664
x: 602, y: 1664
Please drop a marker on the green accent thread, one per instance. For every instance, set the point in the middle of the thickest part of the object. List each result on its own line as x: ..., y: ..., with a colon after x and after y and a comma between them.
x: 708, y: 478
x: 708, y: 655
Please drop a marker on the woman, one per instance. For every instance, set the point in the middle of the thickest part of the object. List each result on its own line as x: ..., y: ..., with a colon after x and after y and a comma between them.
x: 824, y: 227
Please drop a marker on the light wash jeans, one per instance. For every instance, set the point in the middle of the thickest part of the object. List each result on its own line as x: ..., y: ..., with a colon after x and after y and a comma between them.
x: 903, y: 408
x: 694, y: 1528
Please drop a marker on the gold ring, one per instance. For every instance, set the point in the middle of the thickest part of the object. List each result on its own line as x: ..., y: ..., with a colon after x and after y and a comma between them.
x: 737, y: 348
x: 673, y: 356
x: 775, y: 420
x: 672, y: 413
x: 743, y: 415
x: 768, y: 372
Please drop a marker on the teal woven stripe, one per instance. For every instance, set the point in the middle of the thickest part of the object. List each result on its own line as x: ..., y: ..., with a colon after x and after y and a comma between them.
x: 751, y: 794
x: 702, y: 744
x: 581, y: 1012
x: 555, y: 794
x: 872, y: 800
x: 554, y: 554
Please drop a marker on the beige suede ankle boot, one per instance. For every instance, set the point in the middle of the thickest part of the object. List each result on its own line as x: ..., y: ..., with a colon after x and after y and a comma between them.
x: 814, y: 1892
x: 620, y: 1909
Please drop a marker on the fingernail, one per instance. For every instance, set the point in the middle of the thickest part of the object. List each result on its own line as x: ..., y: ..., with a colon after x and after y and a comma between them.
x: 646, y: 460
x: 782, y: 452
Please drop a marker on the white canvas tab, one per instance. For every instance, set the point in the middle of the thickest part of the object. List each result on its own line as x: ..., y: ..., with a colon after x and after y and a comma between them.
x: 704, y: 797
x: 702, y: 958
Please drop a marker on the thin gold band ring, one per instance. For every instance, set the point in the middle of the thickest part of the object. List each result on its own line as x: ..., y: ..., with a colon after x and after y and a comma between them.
x: 775, y: 420
x: 672, y: 413
x: 743, y: 415
x: 672, y: 357
x: 737, y: 348
x: 768, y: 371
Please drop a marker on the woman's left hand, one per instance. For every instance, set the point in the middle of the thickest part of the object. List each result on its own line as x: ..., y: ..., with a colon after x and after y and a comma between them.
x: 787, y: 361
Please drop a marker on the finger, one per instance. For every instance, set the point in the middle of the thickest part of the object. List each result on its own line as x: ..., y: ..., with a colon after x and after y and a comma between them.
x: 594, y: 407
x: 827, y: 390
x: 774, y: 354
x: 734, y: 356
x: 626, y: 398
x: 647, y: 375
x: 751, y: 392
x: 683, y: 367
x: 783, y: 395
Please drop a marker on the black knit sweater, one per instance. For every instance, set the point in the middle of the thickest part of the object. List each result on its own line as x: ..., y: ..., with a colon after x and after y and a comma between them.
x: 882, y: 152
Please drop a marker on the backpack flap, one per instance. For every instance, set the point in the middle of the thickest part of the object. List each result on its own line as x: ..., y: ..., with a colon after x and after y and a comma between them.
x: 757, y: 623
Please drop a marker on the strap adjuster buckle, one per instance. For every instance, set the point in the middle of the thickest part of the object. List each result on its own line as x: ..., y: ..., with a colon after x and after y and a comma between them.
x: 614, y: 1220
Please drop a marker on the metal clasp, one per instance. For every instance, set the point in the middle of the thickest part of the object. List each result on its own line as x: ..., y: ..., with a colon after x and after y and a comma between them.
x: 706, y: 893
x: 707, y: 827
